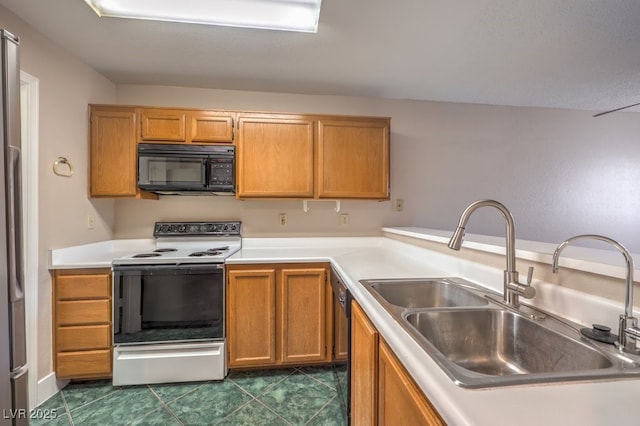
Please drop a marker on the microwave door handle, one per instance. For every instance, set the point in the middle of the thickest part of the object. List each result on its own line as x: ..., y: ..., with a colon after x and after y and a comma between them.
x: 206, y: 172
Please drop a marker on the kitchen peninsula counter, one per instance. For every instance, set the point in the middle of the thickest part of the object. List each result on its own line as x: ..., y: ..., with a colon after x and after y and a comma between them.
x: 356, y: 258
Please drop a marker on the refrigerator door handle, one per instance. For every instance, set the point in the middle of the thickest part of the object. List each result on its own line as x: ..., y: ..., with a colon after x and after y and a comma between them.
x: 14, y: 228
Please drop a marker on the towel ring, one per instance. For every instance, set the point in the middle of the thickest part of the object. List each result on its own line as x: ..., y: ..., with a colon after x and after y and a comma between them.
x: 57, y: 166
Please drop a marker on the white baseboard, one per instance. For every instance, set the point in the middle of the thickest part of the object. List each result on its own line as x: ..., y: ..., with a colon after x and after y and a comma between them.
x: 48, y: 386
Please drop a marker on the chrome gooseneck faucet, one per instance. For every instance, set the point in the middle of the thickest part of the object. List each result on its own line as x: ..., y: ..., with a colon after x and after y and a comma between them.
x: 512, y: 288
x: 629, y: 333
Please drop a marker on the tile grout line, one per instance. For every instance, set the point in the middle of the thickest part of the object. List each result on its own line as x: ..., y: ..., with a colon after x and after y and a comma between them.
x: 335, y: 390
x: 66, y: 409
x: 114, y: 390
x: 255, y: 398
x: 271, y: 410
x: 164, y: 405
x: 289, y: 372
x: 321, y: 382
x: 320, y: 410
x: 306, y: 375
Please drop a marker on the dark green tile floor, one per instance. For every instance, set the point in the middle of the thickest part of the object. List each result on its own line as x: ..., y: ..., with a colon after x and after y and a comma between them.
x: 295, y: 396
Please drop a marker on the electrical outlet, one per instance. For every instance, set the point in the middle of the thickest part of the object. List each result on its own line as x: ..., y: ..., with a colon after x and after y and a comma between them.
x: 91, y: 222
x: 344, y: 219
x: 398, y: 204
x: 283, y: 219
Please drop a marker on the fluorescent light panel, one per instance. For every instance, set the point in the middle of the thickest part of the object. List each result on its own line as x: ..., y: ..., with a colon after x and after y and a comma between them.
x: 286, y: 15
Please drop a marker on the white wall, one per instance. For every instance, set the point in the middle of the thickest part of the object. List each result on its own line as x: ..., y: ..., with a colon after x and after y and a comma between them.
x: 67, y: 86
x: 560, y: 172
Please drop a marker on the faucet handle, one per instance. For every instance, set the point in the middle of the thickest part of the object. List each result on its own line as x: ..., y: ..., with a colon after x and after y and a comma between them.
x: 529, y: 275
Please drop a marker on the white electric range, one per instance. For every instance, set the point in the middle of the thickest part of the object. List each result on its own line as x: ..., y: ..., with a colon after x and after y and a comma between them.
x: 169, y: 305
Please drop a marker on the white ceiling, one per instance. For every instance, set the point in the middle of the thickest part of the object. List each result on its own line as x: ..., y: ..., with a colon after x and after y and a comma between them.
x: 579, y: 54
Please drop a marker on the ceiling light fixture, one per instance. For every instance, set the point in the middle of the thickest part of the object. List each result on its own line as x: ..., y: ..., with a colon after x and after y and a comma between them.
x: 286, y: 15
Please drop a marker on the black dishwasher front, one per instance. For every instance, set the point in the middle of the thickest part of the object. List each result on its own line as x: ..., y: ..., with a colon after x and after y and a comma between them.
x: 342, y: 370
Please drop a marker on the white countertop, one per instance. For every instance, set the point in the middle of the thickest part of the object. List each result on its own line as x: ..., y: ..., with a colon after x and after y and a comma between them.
x: 605, y: 260
x: 584, y: 403
x: 97, y: 255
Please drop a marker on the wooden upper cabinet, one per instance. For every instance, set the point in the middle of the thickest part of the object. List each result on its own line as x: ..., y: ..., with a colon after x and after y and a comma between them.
x: 275, y: 156
x: 113, y: 152
x: 159, y: 124
x: 210, y: 126
x: 113, y: 164
x: 353, y: 158
x: 186, y: 126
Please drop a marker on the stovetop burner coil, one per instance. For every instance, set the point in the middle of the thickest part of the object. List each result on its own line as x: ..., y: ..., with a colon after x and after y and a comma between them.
x: 147, y: 255
x: 205, y: 253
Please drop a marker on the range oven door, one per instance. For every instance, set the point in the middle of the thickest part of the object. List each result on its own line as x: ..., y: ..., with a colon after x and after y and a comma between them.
x: 168, y: 303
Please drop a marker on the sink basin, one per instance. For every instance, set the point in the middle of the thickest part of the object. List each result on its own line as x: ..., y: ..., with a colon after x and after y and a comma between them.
x: 499, y: 343
x: 481, y: 343
x: 425, y: 293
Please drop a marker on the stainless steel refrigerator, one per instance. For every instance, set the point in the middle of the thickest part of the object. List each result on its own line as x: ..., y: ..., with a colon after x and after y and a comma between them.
x: 13, y: 348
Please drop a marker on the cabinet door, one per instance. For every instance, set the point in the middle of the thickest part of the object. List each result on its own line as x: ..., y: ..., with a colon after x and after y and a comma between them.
x: 113, y: 168
x: 364, y: 368
x: 303, y: 315
x: 353, y: 159
x: 163, y: 125
x: 251, y: 317
x: 275, y: 157
x: 210, y: 126
x: 400, y: 401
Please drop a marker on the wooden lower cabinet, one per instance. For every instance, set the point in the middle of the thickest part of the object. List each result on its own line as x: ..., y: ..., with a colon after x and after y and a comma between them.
x: 251, y: 317
x: 364, y: 368
x: 278, y: 315
x: 382, y: 391
x: 400, y: 401
x: 82, y: 323
x: 303, y: 315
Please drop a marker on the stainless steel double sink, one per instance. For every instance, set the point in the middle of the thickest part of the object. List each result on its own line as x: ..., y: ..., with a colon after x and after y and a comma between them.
x: 480, y: 343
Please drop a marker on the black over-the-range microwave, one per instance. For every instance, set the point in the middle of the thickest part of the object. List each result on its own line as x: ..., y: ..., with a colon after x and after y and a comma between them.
x: 186, y: 169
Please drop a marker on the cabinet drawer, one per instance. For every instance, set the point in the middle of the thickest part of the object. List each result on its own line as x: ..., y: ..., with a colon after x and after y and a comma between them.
x: 83, y: 364
x: 83, y: 312
x: 94, y: 286
x: 77, y: 338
